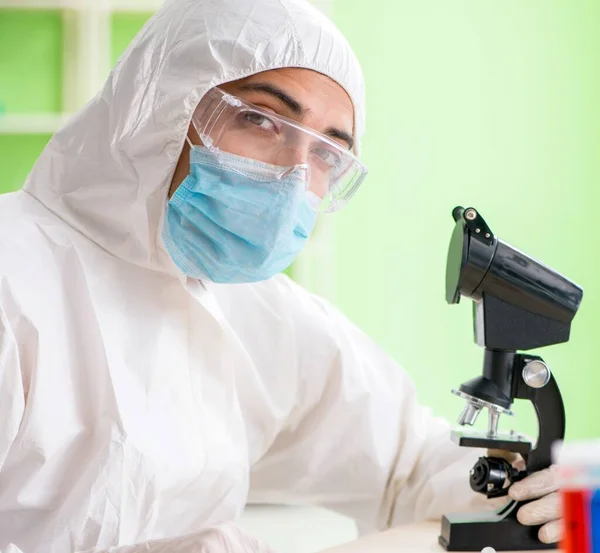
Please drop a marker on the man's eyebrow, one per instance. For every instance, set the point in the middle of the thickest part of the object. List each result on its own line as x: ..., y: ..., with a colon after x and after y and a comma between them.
x: 341, y: 135
x: 267, y: 88
x: 295, y: 107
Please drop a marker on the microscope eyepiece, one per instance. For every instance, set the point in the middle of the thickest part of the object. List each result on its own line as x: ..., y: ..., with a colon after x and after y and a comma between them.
x: 519, y: 302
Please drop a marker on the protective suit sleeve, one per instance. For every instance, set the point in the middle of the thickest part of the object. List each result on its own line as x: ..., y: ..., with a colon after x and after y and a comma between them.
x: 226, y: 537
x: 12, y: 399
x: 219, y: 538
x: 12, y: 396
x: 358, y: 441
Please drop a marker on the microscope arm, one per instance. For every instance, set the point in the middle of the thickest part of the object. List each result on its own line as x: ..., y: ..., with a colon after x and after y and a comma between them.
x: 549, y: 408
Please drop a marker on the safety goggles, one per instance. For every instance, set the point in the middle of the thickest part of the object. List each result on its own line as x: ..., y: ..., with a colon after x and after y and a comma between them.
x: 227, y: 123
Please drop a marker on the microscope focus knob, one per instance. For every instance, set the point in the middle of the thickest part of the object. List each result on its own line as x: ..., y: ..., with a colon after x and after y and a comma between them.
x: 536, y: 374
x: 492, y: 476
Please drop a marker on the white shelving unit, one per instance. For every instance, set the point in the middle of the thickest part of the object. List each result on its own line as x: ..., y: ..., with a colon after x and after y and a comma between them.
x: 144, y: 6
x: 86, y: 64
x: 31, y: 124
x: 86, y: 56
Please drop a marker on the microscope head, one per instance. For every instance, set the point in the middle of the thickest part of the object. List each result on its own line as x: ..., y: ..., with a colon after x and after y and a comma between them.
x: 519, y: 303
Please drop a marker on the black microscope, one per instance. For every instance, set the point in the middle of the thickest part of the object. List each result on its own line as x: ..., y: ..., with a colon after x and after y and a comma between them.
x: 519, y: 304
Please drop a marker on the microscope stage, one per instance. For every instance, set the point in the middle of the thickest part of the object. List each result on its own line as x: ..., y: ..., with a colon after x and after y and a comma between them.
x: 507, y: 441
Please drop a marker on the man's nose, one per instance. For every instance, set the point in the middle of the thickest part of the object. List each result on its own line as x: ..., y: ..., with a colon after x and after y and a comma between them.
x: 294, y: 150
x: 292, y: 156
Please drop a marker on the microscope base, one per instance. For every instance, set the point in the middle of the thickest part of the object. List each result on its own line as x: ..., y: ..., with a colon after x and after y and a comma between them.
x: 500, y: 530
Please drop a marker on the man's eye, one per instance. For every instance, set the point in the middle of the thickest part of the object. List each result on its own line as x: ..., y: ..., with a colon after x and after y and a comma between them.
x: 329, y: 157
x: 260, y: 120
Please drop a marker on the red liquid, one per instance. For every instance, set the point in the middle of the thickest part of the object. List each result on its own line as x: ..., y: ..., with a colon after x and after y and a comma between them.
x: 576, y: 508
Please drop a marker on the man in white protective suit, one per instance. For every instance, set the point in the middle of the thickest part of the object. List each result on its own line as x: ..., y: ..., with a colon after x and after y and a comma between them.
x: 156, y: 371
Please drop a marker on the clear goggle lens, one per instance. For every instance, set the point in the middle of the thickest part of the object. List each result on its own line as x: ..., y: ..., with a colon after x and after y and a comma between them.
x: 226, y: 123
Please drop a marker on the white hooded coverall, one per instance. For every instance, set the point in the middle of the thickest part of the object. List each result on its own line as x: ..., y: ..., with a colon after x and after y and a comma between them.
x: 136, y: 404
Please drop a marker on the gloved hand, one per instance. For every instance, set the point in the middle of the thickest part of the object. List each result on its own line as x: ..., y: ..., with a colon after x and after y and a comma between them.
x: 221, y: 538
x: 542, y: 487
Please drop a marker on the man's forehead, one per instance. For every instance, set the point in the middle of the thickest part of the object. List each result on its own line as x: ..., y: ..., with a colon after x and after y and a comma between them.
x: 313, y: 90
x: 304, y: 95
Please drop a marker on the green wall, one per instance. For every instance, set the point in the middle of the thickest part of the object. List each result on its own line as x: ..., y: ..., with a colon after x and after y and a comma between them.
x: 30, y: 73
x: 30, y: 82
x: 31, y: 78
x: 490, y: 104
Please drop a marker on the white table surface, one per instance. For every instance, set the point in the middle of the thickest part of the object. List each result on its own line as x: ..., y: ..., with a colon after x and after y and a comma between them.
x: 418, y: 538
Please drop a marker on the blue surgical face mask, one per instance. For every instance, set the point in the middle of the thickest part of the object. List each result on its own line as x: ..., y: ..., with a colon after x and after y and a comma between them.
x: 234, y: 219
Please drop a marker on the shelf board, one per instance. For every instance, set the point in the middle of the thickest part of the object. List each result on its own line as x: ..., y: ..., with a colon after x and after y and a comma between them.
x: 41, y: 4
x: 31, y: 123
x: 144, y: 6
